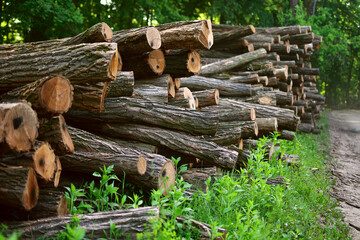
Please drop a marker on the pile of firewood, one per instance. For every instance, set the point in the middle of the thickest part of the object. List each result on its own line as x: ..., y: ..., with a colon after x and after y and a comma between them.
x: 132, y: 99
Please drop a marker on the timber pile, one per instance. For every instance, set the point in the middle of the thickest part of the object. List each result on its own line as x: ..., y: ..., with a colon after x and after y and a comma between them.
x: 138, y: 110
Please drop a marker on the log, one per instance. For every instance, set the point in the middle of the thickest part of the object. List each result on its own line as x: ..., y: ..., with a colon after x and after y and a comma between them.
x: 142, y: 147
x: 286, y: 118
x: 186, y: 35
x: 224, y: 37
x: 215, y: 54
x: 290, y: 64
x: 263, y: 99
x: 283, y: 98
x: 304, y: 103
x: 151, y: 93
x: 207, y: 97
x: 306, y: 127
x: 177, y: 83
x: 280, y: 48
x: 136, y: 41
x: 284, y: 87
x: 123, y: 85
x: 294, y: 108
x: 89, y: 63
x: 307, y: 71
x: 258, y: 45
x: 48, y: 96
x: 309, y: 78
x: 89, y: 96
x: 291, y: 30
x: 149, y: 64
x: 302, y: 38
x: 266, y: 125
x: 54, y: 131
x: 287, y: 135
x: 260, y: 38
x: 198, y: 176
x: 94, y: 152
x: 124, y: 110
x: 19, y: 125
x: 230, y: 63
x: 164, y: 80
x: 198, y: 83
x: 315, y: 96
x: 272, y: 56
x: 19, y: 187
x: 248, y: 129
x: 100, y: 32
x: 183, y: 102
x: 264, y: 80
x: 130, y: 221
x: 249, y: 79
x: 176, y: 141
x: 225, y: 115
x: 272, y: 82
x: 182, y: 63
x: 249, y: 144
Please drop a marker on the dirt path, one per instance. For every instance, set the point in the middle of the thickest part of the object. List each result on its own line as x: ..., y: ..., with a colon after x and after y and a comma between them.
x: 345, y: 141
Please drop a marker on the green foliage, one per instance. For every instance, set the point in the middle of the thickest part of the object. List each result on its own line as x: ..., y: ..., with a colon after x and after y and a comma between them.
x: 12, y: 236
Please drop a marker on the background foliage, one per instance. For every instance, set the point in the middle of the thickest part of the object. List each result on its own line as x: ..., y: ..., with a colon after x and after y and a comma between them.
x: 336, y: 20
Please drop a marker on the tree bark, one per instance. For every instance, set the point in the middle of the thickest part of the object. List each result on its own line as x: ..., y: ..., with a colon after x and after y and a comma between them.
x: 266, y: 125
x: 123, y: 86
x: 307, y: 71
x: 291, y: 30
x: 258, y: 45
x: 249, y: 79
x: 182, y: 63
x: 315, y: 96
x: 293, y: 57
x: 215, y: 54
x: 151, y: 93
x: 302, y: 38
x: 125, y: 110
x: 287, y: 135
x: 249, y: 144
x: 207, y: 97
x: 164, y: 80
x: 83, y: 63
x: 233, y: 62
x: 226, y: 115
x: 19, y: 187
x: 136, y: 41
x: 280, y: 48
x: 306, y: 127
x: 19, y: 125
x: 197, y: 177
x: 283, y: 98
x: 130, y: 221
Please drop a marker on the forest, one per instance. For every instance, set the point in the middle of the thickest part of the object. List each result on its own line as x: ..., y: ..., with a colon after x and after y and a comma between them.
x: 338, y: 21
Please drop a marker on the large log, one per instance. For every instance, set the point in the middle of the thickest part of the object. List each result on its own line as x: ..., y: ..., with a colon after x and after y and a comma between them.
x: 132, y: 42
x: 124, y: 110
x: 186, y: 35
x: 122, y: 86
x: 199, y: 83
x: 19, y: 125
x: 176, y: 141
x: 291, y: 30
x: 19, y: 187
x: 94, y: 152
x: 230, y: 63
x: 130, y: 221
x: 82, y: 63
x: 207, y: 97
x: 287, y: 135
x: 48, y: 96
x: 182, y: 63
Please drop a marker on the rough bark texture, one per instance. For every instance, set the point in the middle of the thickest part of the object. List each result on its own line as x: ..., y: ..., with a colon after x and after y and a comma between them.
x: 287, y: 135
x: 307, y: 71
x: 280, y: 48
x: 315, y: 96
x: 48, y: 96
x: 182, y: 63
x: 215, y: 54
x: 230, y: 63
x: 283, y: 98
x: 198, y: 83
x: 302, y: 38
x: 19, y: 187
x: 247, y: 129
x: 291, y: 30
x: 125, y: 110
x: 151, y: 93
x: 186, y: 35
x: 183, y: 102
x: 224, y: 37
x: 130, y: 221
x: 132, y: 42
x: 19, y: 125
x: 122, y: 86
x: 164, y: 80
x: 306, y: 127
x: 226, y: 115
x: 89, y: 96
x: 266, y: 125
x: 198, y: 176
x: 249, y: 79
x: 207, y: 97
x: 249, y: 144
x: 100, y: 32
x: 82, y: 63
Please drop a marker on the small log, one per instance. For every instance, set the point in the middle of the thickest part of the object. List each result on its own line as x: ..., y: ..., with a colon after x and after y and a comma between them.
x: 182, y: 63
x: 305, y: 29
x: 284, y: 87
x: 225, y: 115
x: 183, y: 102
x: 304, y: 103
x: 290, y: 30
x: 164, y: 80
x: 89, y: 96
x: 280, y: 48
x: 100, y: 32
x: 258, y: 45
x: 315, y: 96
x: 294, y: 108
x: 151, y: 93
x: 310, y: 78
x: 149, y: 64
x: 249, y: 144
x: 287, y: 135
x: 215, y: 54
x: 207, y: 97
x: 224, y: 36
x: 177, y: 83
x: 186, y: 35
x: 248, y: 129
x: 132, y: 42
x: 306, y: 127
x: 198, y: 83
x: 230, y: 63
x: 302, y: 38
x: 124, y: 110
x: 264, y: 80
x: 272, y: 56
x: 198, y: 176
x: 260, y: 38
x: 19, y: 187
x: 123, y: 86
x: 249, y: 79
x: 285, y: 57
x: 307, y: 71
x: 272, y: 82
x: 263, y: 99
x: 283, y: 98
x: 266, y: 125
x: 19, y: 125
x: 89, y: 63
x: 130, y: 221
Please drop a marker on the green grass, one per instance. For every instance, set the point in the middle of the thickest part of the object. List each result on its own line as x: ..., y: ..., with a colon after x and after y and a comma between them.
x: 239, y: 201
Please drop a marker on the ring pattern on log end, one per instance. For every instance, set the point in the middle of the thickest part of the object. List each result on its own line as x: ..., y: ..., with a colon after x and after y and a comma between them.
x: 167, y: 177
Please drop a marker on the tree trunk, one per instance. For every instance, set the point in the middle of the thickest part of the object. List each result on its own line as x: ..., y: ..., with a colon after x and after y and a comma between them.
x: 130, y: 221
x: 83, y: 63
x: 136, y: 41
x: 19, y: 187
x: 151, y: 93
x: 230, y: 63
x: 226, y: 88
x: 315, y: 96
x: 260, y: 38
x: 207, y: 97
x: 123, y: 86
x: 280, y: 48
x: 125, y: 110
x: 258, y: 45
x: 186, y: 35
x: 283, y: 98
x: 19, y: 125
x: 182, y: 63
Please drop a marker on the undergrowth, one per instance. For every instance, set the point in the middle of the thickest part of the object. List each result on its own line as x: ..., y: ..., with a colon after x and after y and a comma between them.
x: 240, y: 201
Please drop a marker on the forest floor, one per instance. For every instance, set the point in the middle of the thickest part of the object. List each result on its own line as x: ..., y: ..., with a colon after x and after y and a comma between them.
x: 345, y: 149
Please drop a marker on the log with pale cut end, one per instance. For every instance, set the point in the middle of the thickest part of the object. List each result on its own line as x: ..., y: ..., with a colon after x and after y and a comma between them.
x: 122, y: 86
x: 291, y: 30
x: 182, y: 63
x: 125, y: 110
x: 177, y: 83
x: 198, y: 83
x: 233, y: 62
x: 266, y: 125
x: 45, y: 161
x: 183, y: 102
x: 260, y: 38
x: 176, y: 141
x: 257, y: 65
x: 249, y: 79
x: 248, y: 128
x: 19, y: 125
x: 287, y: 135
x: 164, y: 80
x: 186, y: 35
x: 89, y: 96
x: 283, y: 98
x: 310, y: 78
x: 307, y: 71
x: 149, y: 64
x: 284, y: 87
x: 151, y: 93
x: 294, y: 108
x: 136, y: 41
x: 19, y: 187
x: 82, y: 63
x: 294, y: 49
x: 197, y: 177
x: 271, y: 56
x: 48, y: 96
x: 280, y: 48
x: 302, y: 38
x: 207, y: 97
x: 272, y: 82
x: 228, y: 133
x: 130, y: 221
x: 54, y: 131
x: 305, y: 29
x: 264, y: 80
x: 265, y: 45
x: 290, y: 64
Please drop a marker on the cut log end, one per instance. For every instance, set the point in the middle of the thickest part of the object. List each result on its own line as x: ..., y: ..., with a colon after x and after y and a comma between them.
x: 106, y: 32
x: 156, y: 61
x: 45, y: 161
x: 171, y: 87
x: 141, y: 165
x: 207, y: 37
x: 177, y: 82
x: 167, y: 177
x: 217, y: 97
x: 256, y: 129
x: 114, y: 65
x: 62, y: 208
x: 56, y: 95
x: 68, y: 143
x: 241, y: 144
x: 57, y: 172
x: 153, y: 37
x: 31, y: 192
x: 252, y: 114
x: 194, y: 62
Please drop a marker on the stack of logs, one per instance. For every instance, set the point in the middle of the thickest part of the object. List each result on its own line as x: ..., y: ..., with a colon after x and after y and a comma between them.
x: 132, y: 99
